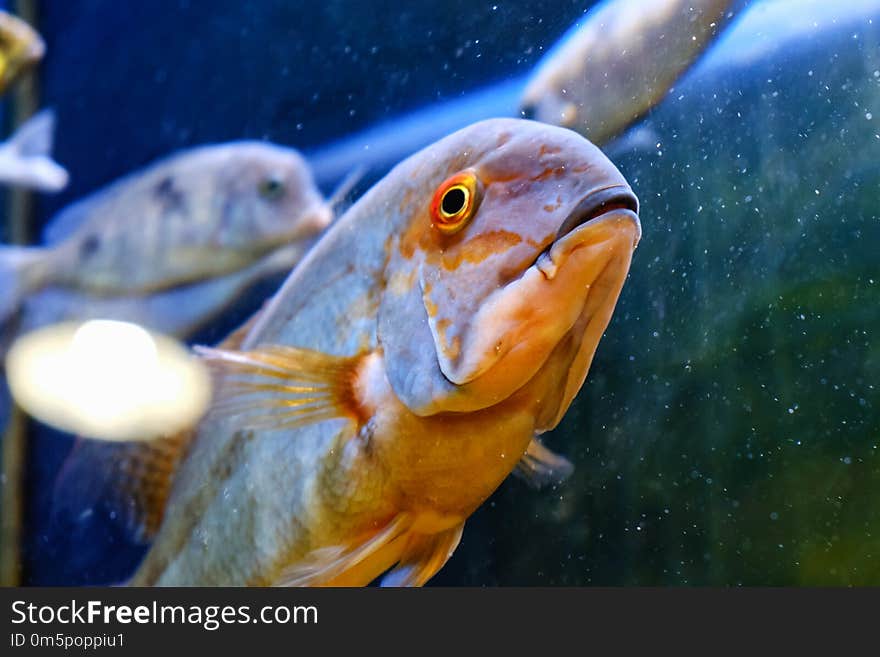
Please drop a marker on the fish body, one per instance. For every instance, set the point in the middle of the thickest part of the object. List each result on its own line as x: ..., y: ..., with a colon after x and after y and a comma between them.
x: 404, y: 368
x: 620, y: 61
x: 25, y: 159
x: 204, y: 213
x: 20, y: 48
x: 179, y: 311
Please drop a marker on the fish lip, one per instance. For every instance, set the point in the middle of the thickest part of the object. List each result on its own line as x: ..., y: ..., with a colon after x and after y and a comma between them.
x: 311, y: 224
x: 614, y: 203
x: 598, y: 203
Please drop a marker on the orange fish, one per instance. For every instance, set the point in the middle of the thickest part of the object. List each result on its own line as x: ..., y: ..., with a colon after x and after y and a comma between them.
x: 402, y: 372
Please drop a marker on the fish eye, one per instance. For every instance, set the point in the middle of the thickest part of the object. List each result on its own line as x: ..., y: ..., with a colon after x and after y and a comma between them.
x: 455, y: 202
x: 89, y: 246
x: 271, y: 188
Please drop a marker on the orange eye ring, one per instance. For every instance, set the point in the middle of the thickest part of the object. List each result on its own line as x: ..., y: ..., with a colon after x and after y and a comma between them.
x: 455, y: 202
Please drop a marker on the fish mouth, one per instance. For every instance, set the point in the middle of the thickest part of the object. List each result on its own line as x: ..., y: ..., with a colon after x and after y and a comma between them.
x: 604, y: 214
x: 309, y: 225
x: 597, y: 204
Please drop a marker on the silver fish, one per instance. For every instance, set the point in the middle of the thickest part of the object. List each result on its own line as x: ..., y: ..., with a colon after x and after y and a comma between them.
x: 179, y: 311
x: 619, y: 61
x: 202, y: 214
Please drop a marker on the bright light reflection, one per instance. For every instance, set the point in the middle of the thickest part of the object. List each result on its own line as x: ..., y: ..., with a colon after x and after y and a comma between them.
x: 107, y: 379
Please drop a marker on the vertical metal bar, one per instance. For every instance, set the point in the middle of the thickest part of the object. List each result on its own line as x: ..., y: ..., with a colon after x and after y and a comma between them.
x: 24, y: 101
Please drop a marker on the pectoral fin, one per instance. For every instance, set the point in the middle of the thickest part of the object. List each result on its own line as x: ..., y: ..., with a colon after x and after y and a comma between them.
x: 276, y: 387
x: 541, y: 467
x: 422, y: 557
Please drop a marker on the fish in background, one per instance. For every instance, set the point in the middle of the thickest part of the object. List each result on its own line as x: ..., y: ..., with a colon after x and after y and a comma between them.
x: 180, y: 311
x: 217, y: 215
x: 606, y: 72
x: 25, y: 159
x: 620, y: 61
x: 21, y: 47
x: 404, y: 369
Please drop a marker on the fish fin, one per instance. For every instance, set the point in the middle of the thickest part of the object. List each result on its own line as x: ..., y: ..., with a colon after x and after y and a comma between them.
x: 345, y: 565
x: 35, y: 136
x: 541, y: 467
x: 423, y: 556
x: 30, y: 146
x: 276, y: 387
x: 131, y: 480
x: 21, y: 272
x: 339, y: 200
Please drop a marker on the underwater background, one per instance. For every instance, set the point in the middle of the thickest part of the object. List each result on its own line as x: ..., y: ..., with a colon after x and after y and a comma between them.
x: 728, y: 432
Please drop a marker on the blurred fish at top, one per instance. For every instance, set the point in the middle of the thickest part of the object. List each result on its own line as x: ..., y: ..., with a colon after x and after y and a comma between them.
x: 606, y: 72
x: 620, y: 61
x: 203, y: 214
x: 20, y: 48
x: 25, y: 159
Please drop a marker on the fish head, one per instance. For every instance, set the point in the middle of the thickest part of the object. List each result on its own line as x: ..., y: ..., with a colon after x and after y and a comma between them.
x: 515, y: 230
x: 268, y: 198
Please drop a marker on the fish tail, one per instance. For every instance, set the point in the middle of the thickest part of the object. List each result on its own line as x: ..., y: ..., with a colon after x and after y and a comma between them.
x: 31, y: 147
x: 23, y: 270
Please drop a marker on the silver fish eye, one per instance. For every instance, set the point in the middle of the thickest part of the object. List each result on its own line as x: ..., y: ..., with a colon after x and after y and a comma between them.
x: 272, y: 188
